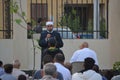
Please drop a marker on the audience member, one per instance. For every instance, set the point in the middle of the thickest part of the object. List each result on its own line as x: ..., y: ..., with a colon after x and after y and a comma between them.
x: 16, y: 69
x: 1, y: 68
x: 59, y: 63
x: 117, y: 77
x: 8, y: 73
x: 68, y: 65
x: 96, y: 68
x: 38, y: 74
x: 22, y: 77
x: 88, y: 73
x: 49, y: 72
x: 83, y: 53
x: 52, y: 50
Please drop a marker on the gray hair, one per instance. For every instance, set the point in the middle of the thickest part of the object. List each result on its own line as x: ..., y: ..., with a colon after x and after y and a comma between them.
x: 50, y: 69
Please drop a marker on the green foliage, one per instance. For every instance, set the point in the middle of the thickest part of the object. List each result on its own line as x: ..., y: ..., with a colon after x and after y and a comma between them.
x: 14, y: 7
x: 103, y: 28
x: 18, y: 21
x: 116, y: 66
x: 90, y: 25
x: 71, y: 20
x: 23, y: 14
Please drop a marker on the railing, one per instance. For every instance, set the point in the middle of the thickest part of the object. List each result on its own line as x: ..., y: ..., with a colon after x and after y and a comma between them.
x: 74, y: 15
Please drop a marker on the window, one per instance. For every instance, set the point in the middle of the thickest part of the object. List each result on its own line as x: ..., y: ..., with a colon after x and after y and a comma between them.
x: 6, y: 30
x: 39, y: 11
x: 85, y: 14
x: 76, y: 15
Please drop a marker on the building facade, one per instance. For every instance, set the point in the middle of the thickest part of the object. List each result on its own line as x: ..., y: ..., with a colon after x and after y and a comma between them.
x: 19, y: 47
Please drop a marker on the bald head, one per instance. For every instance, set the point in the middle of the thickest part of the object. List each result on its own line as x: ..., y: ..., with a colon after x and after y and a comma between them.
x: 84, y: 45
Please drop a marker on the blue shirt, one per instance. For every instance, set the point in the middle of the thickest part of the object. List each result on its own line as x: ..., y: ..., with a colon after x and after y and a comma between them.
x: 1, y: 71
x: 7, y: 77
x: 38, y: 75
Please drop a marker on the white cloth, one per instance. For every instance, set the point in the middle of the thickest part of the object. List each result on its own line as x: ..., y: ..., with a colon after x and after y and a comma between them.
x: 49, y: 23
x: 116, y: 77
x: 16, y: 72
x: 87, y: 75
x: 64, y: 71
x: 80, y: 55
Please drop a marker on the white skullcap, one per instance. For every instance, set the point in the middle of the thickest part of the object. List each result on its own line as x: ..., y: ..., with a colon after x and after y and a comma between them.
x: 49, y: 23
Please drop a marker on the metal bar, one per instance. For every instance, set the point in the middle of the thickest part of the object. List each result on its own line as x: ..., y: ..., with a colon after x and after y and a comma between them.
x: 96, y: 19
x: 57, y: 12
x: 36, y: 11
x: 12, y: 23
x: 31, y: 11
x: 62, y: 13
x: 107, y: 17
x: 3, y: 18
x: 47, y: 10
x: 51, y: 10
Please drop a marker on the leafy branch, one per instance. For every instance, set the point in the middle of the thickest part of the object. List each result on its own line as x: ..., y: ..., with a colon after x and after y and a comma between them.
x: 14, y: 8
x: 17, y: 9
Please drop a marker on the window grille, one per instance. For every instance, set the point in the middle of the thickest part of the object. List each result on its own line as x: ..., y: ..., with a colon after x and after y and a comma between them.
x: 75, y: 17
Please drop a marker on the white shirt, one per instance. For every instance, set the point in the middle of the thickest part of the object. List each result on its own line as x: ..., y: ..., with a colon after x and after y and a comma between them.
x: 64, y: 71
x: 16, y: 72
x: 87, y: 75
x: 117, y: 77
x: 80, y: 55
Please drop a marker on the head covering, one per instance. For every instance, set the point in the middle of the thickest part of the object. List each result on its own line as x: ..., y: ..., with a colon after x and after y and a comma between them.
x: 49, y: 23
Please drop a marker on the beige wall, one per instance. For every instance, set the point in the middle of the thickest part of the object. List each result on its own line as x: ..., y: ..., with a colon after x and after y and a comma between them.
x: 114, y: 27
x: 24, y: 51
x: 107, y: 50
x: 6, y: 50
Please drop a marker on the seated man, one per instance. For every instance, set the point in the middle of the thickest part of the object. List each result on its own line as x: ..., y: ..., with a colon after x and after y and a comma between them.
x: 49, y: 72
x: 16, y: 69
x: 88, y: 73
x: 38, y: 74
x: 8, y: 73
x: 22, y: 77
x: 117, y: 77
x: 59, y: 63
x: 83, y: 53
x: 1, y: 68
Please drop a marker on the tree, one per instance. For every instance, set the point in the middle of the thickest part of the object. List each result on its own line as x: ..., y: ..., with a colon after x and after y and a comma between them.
x: 16, y: 8
x: 71, y: 20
